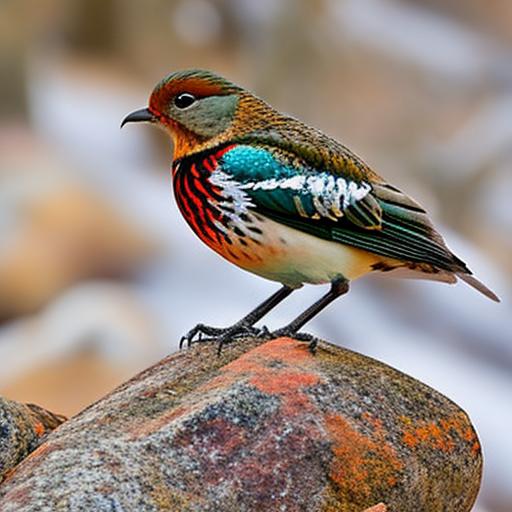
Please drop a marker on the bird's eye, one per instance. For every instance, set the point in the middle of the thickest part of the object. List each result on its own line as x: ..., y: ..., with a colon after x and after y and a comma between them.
x: 184, y: 100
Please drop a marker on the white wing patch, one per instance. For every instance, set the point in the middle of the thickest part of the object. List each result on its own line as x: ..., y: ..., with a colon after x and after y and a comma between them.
x: 236, y: 203
x: 231, y: 189
x: 330, y: 195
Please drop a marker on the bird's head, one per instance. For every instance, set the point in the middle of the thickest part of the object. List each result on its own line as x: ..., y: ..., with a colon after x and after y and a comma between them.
x: 198, y: 108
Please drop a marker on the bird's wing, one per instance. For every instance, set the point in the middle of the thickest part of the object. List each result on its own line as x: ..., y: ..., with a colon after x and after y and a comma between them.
x: 369, y: 215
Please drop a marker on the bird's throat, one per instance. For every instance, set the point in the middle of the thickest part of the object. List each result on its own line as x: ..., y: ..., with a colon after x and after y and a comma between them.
x: 184, y: 142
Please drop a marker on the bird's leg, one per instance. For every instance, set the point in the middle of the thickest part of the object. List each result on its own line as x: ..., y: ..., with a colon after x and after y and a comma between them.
x: 339, y: 287
x: 243, y: 327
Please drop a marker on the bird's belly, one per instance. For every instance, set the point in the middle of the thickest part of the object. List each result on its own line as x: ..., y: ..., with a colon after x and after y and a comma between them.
x: 283, y: 254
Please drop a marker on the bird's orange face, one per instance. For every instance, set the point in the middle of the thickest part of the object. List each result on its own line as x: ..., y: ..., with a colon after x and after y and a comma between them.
x: 194, y: 108
x: 201, y: 110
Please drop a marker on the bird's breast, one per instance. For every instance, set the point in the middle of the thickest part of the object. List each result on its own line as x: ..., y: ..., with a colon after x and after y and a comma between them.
x: 217, y: 209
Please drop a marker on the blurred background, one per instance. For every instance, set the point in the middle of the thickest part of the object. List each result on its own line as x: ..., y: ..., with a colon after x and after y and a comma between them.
x: 100, y: 276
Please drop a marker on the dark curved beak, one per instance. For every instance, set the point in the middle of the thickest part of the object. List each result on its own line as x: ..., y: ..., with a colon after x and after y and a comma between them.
x: 139, y: 116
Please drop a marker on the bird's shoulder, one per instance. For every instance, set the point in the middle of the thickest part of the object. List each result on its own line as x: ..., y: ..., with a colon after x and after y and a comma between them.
x: 281, y: 173
x: 303, y: 146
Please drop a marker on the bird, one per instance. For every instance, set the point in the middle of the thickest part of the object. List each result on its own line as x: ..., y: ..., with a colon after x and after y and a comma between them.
x: 287, y: 202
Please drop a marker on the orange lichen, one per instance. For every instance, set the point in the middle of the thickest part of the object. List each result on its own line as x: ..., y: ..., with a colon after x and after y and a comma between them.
x: 281, y: 367
x: 285, y: 350
x: 280, y: 381
x: 39, y: 428
x: 441, y: 435
x: 277, y: 367
x: 363, y: 465
x: 372, y: 420
x: 409, y: 439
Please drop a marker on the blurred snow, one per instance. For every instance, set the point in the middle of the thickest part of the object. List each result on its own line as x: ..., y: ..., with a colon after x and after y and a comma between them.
x: 495, y: 200
x: 484, y: 140
x: 436, y: 45
x: 197, y: 22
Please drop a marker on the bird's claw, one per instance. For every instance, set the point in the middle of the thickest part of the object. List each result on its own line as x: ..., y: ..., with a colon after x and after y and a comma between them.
x: 197, y: 333
x: 263, y: 333
x: 204, y: 333
x: 241, y: 331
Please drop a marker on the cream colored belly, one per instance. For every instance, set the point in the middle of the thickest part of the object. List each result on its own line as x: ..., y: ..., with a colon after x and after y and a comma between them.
x: 291, y: 257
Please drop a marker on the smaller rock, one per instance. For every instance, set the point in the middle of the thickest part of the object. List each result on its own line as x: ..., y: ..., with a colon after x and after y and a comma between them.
x: 22, y: 429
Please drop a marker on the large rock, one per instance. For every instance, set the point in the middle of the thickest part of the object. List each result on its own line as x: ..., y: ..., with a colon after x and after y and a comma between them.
x: 263, y: 427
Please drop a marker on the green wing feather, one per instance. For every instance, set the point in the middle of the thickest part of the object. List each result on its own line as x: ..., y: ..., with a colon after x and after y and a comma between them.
x: 405, y: 232
x: 338, y: 206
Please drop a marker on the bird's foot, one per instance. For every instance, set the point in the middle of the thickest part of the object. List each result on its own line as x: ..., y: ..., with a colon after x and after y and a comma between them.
x: 204, y: 333
x: 300, y: 336
x: 236, y: 332
x: 197, y: 333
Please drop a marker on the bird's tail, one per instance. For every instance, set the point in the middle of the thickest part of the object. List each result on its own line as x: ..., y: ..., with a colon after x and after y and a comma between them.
x: 475, y: 283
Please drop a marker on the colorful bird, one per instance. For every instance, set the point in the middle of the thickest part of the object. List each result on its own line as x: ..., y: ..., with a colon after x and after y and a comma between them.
x: 285, y: 201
